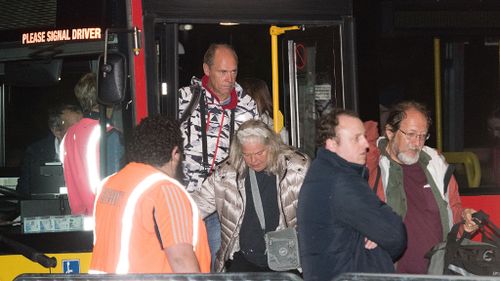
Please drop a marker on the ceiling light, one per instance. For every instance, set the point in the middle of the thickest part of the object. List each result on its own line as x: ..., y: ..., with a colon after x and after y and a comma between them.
x: 229, y: 23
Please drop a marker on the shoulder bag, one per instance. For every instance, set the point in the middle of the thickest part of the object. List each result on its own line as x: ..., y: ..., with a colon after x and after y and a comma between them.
x: 282, y: 246
x: 466, y: 257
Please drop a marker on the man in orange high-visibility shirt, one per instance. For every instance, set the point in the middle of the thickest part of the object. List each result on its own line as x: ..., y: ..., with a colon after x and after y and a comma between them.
x: 145, y: 221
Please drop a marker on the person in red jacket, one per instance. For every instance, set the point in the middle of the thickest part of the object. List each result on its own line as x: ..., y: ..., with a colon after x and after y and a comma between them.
x: 80, y: 150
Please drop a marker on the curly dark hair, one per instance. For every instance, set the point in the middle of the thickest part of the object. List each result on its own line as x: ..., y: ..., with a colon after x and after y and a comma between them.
x: 153, y: 140
x: 328, y: 123
x: 398, y: 113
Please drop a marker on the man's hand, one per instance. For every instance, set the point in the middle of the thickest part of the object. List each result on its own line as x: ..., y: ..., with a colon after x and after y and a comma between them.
x: 370, y: 245
x: 469, y: 224
x: 182, y: 259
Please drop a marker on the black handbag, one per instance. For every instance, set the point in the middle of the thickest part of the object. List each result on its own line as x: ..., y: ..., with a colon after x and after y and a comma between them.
x: 466, y: 257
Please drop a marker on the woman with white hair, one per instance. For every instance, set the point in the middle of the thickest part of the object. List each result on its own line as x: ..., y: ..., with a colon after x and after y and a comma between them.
x: 279, y: 171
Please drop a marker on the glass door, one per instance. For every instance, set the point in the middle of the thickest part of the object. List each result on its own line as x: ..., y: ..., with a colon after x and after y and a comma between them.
x: 313, y: 83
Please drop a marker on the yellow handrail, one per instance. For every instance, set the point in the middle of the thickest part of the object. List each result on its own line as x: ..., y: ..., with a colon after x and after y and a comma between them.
x: 437, y: 93
x: 274, y: 31
x: 471, y: 164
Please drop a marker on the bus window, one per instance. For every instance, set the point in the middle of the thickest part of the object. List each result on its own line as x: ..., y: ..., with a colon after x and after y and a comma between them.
x: 469, y: 92
x: 28, y: 97
x: 482, y: 106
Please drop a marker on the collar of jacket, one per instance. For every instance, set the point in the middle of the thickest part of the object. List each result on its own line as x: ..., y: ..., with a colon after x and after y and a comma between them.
x: 234, y: 97
x: 335, y: 159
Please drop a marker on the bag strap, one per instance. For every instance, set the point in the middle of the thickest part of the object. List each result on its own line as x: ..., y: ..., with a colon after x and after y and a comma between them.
x: 231, y: 132
x: 490, y: 232
x: 447, y: 177
x: 257, y: 201
x: 452, y: 235
x: 204, y: 136
x: 195, y: 99
x: 452, y: 245
x: 377, y: 179
x: 186, y: 115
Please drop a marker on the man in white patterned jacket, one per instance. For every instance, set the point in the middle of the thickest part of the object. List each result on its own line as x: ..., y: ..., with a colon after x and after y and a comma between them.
x: 224, y: 107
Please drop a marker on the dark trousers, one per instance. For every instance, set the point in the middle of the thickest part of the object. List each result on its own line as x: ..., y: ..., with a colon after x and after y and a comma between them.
x: 240, y: 264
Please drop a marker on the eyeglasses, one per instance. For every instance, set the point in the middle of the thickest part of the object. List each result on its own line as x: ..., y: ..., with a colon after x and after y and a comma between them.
x: 413, y: 136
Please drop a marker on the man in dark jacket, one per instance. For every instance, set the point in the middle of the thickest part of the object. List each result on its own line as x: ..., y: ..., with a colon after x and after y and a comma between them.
x: 61, y: 117
x: 343, y: 226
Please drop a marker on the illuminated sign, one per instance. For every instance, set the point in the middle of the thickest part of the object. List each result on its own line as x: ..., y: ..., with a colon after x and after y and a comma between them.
x: 48, y: 36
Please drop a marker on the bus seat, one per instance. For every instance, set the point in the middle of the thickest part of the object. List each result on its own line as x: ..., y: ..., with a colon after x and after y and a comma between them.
x: 471, y: 164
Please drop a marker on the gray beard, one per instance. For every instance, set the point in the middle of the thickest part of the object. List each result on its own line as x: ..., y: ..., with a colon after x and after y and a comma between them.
x: 407, y: 160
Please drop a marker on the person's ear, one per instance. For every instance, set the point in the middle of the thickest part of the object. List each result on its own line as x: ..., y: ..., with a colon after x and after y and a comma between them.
x: 176, y: 154
x: 389, y: 132
x: 206, y: 69
x: 331, y: 144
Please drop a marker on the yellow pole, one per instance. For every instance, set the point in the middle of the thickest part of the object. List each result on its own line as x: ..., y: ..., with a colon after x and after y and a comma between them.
x: 274, y: 31
x: 437, y: 93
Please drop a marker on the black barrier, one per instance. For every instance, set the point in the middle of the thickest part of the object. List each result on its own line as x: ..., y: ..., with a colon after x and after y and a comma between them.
x: 408, y: 277
x: 249, y: 276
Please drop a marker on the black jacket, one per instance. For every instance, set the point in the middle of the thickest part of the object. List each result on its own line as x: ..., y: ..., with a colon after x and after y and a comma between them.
x: 336, y: 211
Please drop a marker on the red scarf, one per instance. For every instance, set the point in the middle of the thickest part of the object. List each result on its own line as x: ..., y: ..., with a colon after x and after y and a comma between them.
x: 234, y: 97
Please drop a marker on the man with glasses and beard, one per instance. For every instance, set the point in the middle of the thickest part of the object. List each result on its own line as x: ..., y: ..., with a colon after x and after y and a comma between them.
x: 416, y: 182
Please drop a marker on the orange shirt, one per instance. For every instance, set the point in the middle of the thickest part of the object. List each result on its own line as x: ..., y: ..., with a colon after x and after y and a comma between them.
x: 139, y: 212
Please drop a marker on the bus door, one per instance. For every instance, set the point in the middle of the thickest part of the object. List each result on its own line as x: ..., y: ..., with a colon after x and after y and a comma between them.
x: 312, y: 72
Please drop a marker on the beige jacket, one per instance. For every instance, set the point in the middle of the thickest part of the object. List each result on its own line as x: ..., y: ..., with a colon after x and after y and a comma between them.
x: 224, y: 192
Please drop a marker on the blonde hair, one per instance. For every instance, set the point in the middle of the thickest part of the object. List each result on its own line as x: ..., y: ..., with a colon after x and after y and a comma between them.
x: 86, y: 92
